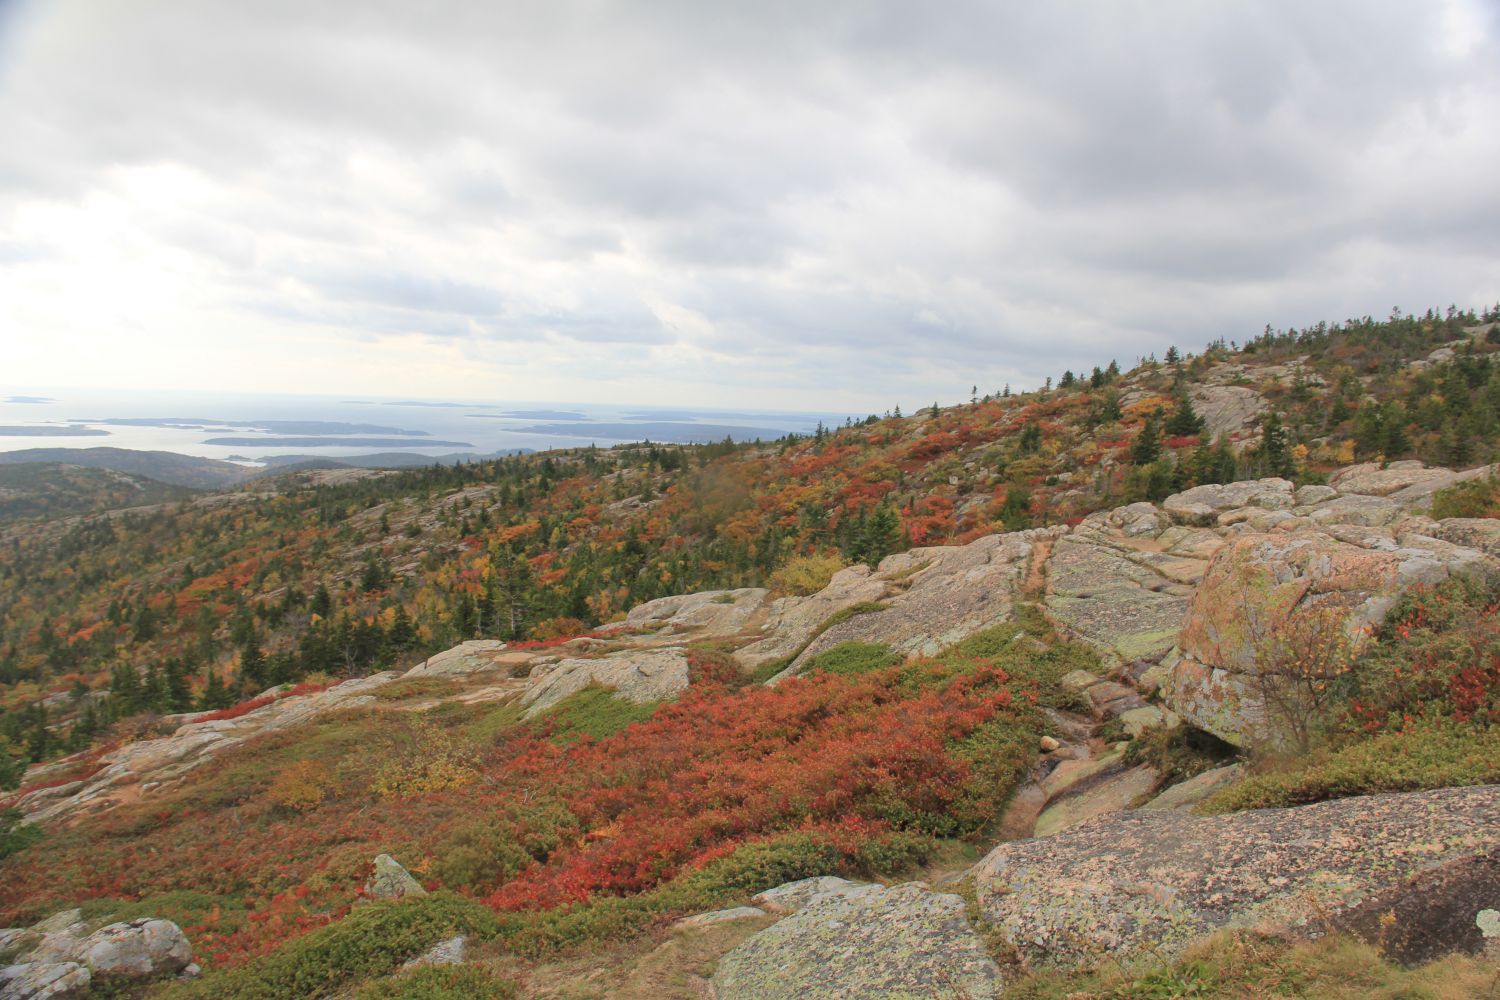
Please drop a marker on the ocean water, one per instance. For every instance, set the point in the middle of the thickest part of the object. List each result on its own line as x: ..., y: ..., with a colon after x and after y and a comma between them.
x: 247, y: 428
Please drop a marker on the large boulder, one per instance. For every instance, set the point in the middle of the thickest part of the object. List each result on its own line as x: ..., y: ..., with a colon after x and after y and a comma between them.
x: 136, y: 949
x: 1141, y: 882
x: 932, y: 598
x: 902, y: 942
x: 710, y: 614
x: 1279, y: 592
x: 1202, y: 505
x: 59, y: 957
x: 640, y: 676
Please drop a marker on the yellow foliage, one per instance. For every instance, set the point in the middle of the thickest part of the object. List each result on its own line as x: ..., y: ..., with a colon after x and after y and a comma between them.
x: 433, y: 762
x: 803, y: 575
x: 301, y: 787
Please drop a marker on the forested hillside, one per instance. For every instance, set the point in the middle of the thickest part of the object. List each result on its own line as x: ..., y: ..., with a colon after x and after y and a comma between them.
x: 205, y: 603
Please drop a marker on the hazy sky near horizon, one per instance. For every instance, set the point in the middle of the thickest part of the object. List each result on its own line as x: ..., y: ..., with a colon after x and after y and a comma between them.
x: 838, y: 205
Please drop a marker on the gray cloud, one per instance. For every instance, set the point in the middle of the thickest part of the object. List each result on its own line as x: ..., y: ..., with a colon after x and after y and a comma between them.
x: 708, y: 201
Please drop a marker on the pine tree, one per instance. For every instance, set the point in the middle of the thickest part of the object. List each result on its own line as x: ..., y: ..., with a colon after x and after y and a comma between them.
x: 1147, y: 447
x: 215, y: 695
x: 1275, y: 449
x: 1185, y: 419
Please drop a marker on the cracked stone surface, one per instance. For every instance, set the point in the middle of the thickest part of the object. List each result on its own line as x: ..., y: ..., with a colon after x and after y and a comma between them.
x: 1127, y: 882
x: 902, y: 942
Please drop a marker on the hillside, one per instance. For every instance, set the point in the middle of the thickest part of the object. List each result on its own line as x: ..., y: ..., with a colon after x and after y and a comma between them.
x: 586, y: 694
x: 162, y: 466
x: 31, y: 491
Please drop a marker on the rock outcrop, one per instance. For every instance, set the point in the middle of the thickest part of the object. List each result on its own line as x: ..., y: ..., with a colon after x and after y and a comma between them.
x: 905, y: 941
x: 60, y: 957
x: 931, y: 598
x: 1158, y: 880
x: 1148, y: 882
x: 640, y: 676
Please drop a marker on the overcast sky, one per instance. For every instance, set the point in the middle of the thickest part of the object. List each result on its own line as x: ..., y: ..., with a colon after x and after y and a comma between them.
x: 820, y: 205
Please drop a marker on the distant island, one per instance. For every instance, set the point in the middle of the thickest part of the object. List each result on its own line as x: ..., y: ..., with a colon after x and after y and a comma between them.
x: 335, y: 442
x: 47, y: 431
x: 29, y: 399
x: 530, y: 415
x: 666, y: 432
x: 278, y: 426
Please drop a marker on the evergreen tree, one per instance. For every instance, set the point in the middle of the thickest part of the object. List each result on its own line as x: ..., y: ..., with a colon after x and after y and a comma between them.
x: 1147, y: 445
x: 179, y: 693
x: 1275, y: 448
x: 1185, y: 419
x: 321, y: 603
x: 215, y: 694
x: 1394, y: 441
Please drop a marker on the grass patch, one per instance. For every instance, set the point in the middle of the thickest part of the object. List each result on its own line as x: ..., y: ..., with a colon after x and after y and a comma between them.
x: 1425, y: 755
x: 594, y: 713
x: 416, y: 687
x: 770, y: 669
x: 441, y: 982
x: 848, y: 658
x: 1242, y: 966
x: 371, y: 941
x: 183, y: 907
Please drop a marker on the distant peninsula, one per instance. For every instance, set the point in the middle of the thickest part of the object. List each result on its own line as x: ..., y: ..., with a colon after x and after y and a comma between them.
x: 49, y: 431
x: 335, y: 442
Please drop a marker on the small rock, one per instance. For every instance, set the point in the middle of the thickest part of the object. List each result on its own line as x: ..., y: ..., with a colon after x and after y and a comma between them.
x: 1186, y: 794
x: 793, y: 896
x: 1137, y: 720
x: 1079, y: 680
x: 391, y: 881
x: 450, y: 952
x: 1049, y: 744
x: 719, y: 917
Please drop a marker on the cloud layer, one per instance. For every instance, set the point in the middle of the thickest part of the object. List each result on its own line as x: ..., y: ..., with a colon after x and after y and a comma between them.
x: 845, y: 204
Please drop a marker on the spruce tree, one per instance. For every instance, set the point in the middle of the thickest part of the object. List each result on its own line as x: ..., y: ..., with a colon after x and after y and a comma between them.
x: 1147, y: 445
x: 1185, y: 419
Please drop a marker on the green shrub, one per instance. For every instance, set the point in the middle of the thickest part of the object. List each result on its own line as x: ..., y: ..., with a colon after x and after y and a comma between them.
x: 440, y: 982
x: 853, y: 658
x: 1179, y: 752
x: 1425, y: 755
x: 416, y: 687
x: 371, y: 941
x: 1475, y: 498
x: 481, y: 853
x: 14, y: 834
x: 596, y: 713
x: 804, y: 575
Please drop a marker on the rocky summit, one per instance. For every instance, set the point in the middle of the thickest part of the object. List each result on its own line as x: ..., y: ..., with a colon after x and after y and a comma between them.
x: 1176, y: 681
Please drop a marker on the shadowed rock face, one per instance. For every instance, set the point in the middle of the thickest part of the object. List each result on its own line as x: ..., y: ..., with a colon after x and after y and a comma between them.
x: 896, y: 943
x: 1437, y: 913
x: 1141, y: 880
